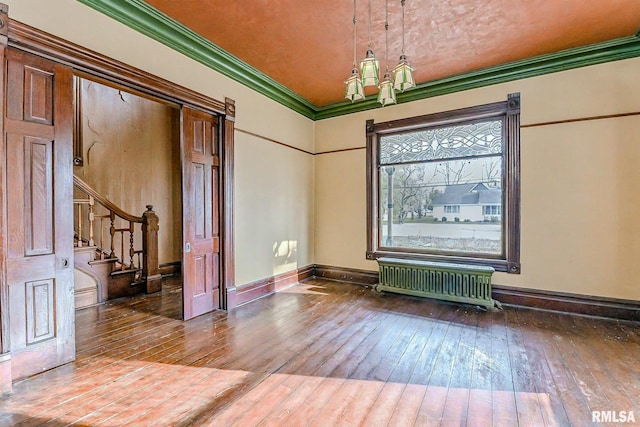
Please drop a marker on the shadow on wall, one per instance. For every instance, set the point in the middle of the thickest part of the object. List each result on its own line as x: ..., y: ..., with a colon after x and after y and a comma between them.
x: 285, y: 256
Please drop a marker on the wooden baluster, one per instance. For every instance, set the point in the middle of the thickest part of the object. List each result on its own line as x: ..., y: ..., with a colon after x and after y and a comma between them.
x: 131, y: 250
x: 122, y: 250
x: 112, y: 232
x: 75, y: 226
x: 91, y: 203
x: 101, y: 238
x: 79, y: 224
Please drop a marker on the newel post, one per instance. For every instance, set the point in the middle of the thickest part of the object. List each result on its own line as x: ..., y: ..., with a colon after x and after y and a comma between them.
x: 150, y: 270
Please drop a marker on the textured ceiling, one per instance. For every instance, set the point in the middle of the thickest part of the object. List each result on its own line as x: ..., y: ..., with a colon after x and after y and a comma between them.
x: 307, y: 46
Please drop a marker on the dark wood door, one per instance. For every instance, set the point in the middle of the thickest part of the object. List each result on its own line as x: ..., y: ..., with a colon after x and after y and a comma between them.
x: 38, y: 126
x: 200, y: 199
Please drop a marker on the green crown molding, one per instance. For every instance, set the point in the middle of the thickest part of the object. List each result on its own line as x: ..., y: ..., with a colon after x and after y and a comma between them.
x: 147, y: 20
x: 139, y: 16
x: 612, y: 50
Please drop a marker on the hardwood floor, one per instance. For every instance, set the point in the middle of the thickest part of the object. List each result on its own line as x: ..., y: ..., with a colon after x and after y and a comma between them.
x: 323, y: 353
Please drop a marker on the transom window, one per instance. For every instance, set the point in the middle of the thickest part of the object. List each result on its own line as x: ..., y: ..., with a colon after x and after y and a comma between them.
x: 446, y: 186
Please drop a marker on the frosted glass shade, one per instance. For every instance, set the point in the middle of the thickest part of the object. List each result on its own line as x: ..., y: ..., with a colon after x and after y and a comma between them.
x: 370, y: 69
x: 403, y: 75
x: 387, y: 95
x: 354, y: 89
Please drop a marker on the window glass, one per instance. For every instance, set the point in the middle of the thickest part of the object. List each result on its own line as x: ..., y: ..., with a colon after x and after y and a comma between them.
x: 437, y: 204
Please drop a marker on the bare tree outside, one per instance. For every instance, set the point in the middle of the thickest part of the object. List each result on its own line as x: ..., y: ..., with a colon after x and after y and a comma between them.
x: 453, y: 172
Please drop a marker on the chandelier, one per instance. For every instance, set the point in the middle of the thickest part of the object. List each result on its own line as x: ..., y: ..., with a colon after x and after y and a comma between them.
x: 370, y: 67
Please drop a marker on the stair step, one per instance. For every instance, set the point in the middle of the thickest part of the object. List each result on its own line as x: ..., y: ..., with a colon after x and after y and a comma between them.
x: 85, y: 248
x: 125, y: 283
x: 103, y: 261
x: 135, y: 273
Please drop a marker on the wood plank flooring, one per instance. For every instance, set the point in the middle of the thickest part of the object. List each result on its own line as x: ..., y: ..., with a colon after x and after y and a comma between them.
x: 323, y: 353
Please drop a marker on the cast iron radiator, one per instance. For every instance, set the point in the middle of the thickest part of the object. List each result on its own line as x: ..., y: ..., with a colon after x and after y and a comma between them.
x: 463, y: 283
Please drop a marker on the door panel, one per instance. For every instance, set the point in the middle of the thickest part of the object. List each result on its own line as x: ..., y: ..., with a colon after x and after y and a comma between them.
x: 40, y: 311
x: 39, y: 217
x: 201, y: 260
x: 199, y: 219
x: 39, y: 261
x: 30, y: 195
x: 38, y: 90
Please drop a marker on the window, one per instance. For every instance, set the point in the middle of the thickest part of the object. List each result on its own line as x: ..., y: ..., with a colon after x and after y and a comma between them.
x: 491, y: 210
x: 445, y: 186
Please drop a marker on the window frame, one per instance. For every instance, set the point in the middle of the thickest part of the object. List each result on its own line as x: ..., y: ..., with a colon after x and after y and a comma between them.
x: 509, y: 112
x: 491, y: 208
x: 452, y: 209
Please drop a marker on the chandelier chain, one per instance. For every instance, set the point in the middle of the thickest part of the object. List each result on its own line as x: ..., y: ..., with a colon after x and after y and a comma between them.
x: 354, y: 34
x: 386, y: 31
x: 402, y: 2
x: 369, y: 26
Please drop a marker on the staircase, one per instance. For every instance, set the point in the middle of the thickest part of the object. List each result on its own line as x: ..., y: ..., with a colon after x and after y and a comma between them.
x: 116, y: 253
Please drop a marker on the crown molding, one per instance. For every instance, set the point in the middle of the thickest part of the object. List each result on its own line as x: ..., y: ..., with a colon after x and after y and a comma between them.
x: 139, y: 16
x: 147, y: 20
x: 598, y: 53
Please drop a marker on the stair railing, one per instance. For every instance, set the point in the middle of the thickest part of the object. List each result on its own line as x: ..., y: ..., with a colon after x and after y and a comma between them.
x: 137, y: 235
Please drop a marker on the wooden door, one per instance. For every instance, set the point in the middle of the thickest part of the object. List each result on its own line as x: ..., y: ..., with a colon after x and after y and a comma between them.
x: 39, y: 183
x: 200, y: 199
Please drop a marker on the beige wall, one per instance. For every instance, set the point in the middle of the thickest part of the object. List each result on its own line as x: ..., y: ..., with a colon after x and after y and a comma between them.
x: 264, y: 170
x: 273, y: 207
x: 580, y: 181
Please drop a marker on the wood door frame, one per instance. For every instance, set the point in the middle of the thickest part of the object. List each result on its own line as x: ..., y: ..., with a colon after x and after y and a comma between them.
x: 5, y: 349
x: 14, y: 34
x: 82, y: 60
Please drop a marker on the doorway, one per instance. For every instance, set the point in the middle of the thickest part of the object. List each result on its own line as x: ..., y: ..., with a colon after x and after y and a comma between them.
x: 127, y: 150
